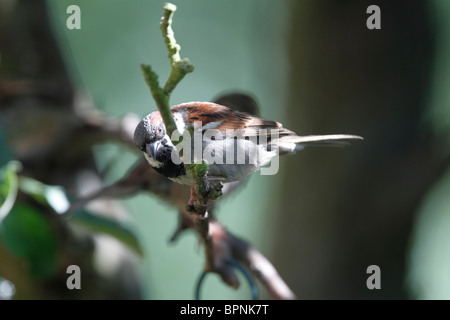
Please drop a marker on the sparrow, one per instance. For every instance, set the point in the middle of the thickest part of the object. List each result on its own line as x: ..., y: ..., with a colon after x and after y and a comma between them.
x: 223, y: 130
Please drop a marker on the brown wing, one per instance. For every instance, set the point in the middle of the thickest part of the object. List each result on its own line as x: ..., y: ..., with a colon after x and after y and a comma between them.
x: 215, y: 116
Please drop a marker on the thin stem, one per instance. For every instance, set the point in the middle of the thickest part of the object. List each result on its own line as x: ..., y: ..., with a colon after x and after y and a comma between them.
x: 169, y: 37
x: 205, y: 191
x: 161, y: 99
x: 180, y: 67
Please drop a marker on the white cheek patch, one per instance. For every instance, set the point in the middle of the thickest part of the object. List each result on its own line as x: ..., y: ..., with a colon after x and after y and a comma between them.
x: 152, y: 162
x: 168, y: 141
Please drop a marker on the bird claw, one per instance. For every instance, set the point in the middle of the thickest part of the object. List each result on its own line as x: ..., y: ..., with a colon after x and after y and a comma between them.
x: 198, y: 205
x: 214, y: 189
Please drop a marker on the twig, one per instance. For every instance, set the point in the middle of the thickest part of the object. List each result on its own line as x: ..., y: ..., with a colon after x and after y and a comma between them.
x: 160, y: 97
x: 179, y: 68
x: 220, y: 246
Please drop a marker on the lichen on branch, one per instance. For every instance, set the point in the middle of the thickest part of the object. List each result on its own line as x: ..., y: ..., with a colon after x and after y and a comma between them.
x: 179, y: 68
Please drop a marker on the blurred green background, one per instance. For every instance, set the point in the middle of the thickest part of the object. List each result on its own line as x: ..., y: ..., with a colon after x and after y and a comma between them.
x: 315, y: 67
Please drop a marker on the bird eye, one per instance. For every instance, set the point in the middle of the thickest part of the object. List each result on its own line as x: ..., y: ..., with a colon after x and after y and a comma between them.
x: 159, y: 130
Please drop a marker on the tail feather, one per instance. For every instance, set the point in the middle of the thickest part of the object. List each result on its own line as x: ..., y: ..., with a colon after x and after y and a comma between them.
x: 294, y: 143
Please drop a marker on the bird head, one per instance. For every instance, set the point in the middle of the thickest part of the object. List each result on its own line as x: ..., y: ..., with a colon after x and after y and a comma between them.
x: 151, y: 138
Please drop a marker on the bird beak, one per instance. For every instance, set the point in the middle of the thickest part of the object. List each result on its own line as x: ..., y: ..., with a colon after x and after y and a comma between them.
x: 152, y: 149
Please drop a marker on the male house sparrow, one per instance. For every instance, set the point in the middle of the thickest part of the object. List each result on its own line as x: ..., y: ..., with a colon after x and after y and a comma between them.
x: 252, y: 140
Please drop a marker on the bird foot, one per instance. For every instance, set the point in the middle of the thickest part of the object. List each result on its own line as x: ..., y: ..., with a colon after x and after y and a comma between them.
x: 198, y: 205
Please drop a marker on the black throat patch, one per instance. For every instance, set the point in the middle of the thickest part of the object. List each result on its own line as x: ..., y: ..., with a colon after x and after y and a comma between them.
x: 168, y: 168
x: 171, y: 170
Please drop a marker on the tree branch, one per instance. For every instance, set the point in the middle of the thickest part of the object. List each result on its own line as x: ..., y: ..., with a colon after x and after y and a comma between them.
x: 160, y: 97
x: 179, y: 68
x: 201, y: 188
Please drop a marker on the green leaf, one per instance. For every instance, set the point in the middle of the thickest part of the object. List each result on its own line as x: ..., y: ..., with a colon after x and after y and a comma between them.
x: 27, y: 234
x: 52, y: 196
x: 34, y: 189
x: 118, y: 230
x: 8, y: 188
